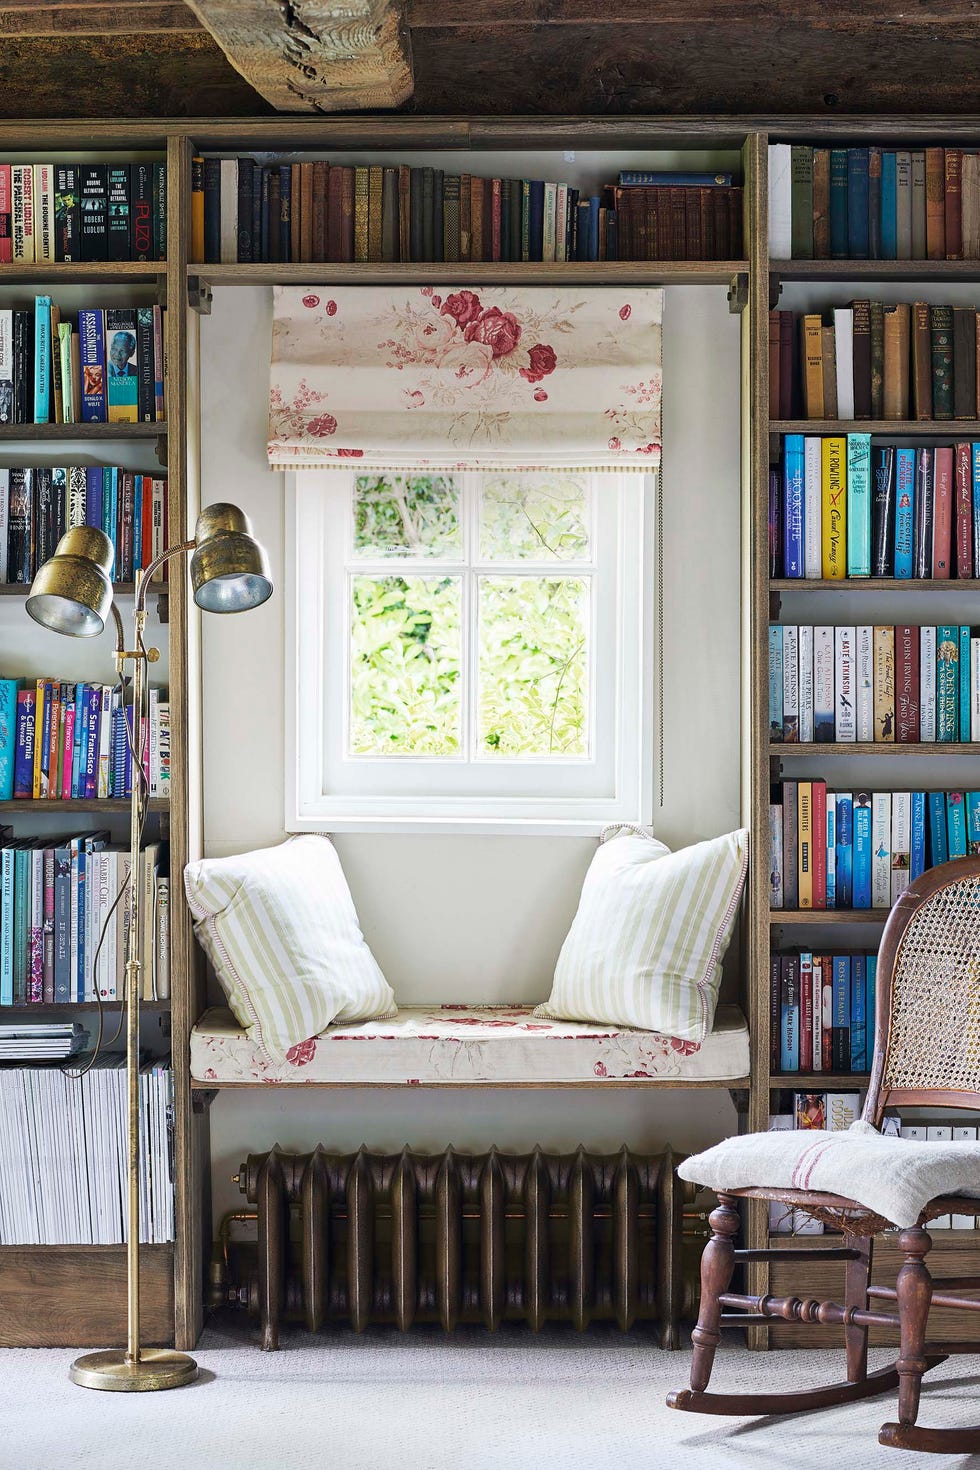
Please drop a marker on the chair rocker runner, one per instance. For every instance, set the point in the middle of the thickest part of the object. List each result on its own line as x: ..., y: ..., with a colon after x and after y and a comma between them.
x: 926, y: 1053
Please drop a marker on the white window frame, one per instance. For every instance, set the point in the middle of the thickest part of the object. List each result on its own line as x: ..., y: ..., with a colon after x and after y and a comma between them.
x: 573, y: 796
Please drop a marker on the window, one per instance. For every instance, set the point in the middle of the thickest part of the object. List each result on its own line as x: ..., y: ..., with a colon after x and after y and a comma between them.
x: 469, y: 650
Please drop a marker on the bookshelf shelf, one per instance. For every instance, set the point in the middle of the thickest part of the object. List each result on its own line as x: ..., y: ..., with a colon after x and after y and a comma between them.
x: 112, y: 804
x: 875, y: 584
x: 83, y: 272
x: 572, y: 272
x: 818, y: 1081
x: 827, y: 916
x: 70, y: 1007
x: 878, y: 428
x: 59, y: 433
x: 876, y: 270
x: 882, y: 747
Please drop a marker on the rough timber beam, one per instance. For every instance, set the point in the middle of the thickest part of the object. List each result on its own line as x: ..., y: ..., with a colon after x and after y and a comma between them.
x: 96, y: 18
x: 315, y: 55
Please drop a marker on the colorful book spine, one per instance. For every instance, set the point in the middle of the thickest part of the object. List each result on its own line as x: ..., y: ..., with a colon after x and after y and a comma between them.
x: 858, y: 518
x: 793, y: 471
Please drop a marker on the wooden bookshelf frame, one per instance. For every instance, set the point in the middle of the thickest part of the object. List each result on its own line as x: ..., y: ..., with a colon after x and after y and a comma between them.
x: 753, y: 281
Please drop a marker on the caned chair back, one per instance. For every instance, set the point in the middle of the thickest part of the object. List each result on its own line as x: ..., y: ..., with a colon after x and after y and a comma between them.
x: 927, y: 1011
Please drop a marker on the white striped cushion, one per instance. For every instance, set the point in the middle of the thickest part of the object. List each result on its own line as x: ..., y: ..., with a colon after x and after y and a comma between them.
x: 281, y: 932
x: 652, y: 926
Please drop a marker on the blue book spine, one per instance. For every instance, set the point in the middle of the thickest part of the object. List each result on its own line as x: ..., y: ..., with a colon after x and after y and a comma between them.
x: 947, y: 683
x: 652, y: 178
x: 938, y: 849
x: 859, y: 505
x: 7, y: 926
x: 107, y: 502
x: 917, y: 853
x: 889, y: 207
x: 838, y: 203
x: 117, y: 774
x: 128, y: 752
x: 62, y: 924
x: 91, y: 768
x: 859, y: 1021
x: 593, y: 228
x: 965, y: 709
x: 42, y: 359
x: 844, y: 805
x: 8, y: 736
x: 79, y: 956
x: 138, y: 509
x: 831, y: 852
x: 535, y: 220
x: 955, y: 824
x: 93, y: 496
x: 91, y: 350
x: 975, y: 456
x: 793, y: 564
x: 841, y: 1012
x: 904, y: 511
x: 973, y: 823
x: 24, y: 753
x: 857, y: 203
x: 78, y: 744
x: 775, y: 681
x: 861, y: 881
x: 870, y: 1006
x: 114, y: 531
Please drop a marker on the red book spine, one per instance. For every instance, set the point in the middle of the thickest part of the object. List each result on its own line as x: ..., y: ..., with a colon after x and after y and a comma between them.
x: 146, y: 519
x: 6, y: 236
x: 964, y: 512
x: 806, y: 1013
x: 826, y: 1016
x: 818, y: 830
x: 495, y: 219
x: 942, y: 521
x: 906, y: 685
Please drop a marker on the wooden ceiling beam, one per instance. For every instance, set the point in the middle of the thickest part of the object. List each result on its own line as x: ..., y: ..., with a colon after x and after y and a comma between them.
x: 826, y: 14
x: 96, y: 18
x: 315, y: 55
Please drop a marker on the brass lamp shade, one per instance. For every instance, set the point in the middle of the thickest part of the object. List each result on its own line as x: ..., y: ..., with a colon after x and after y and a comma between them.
x: 229, y: 571
x: 72, y: 592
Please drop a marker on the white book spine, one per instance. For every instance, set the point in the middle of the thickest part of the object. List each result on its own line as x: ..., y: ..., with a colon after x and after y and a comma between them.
x: 776, y: 856
x: 44, y: 207
x: 812, y: 508
x: 561, y: 214
x: 864, y: 692
x: 823, y: 684
x: 881, y: 854
x: 548, y: 232
x: 806, y: 683
x: 791, y: 683
x: 780, y: 201
x: 105, y: 739
x: 927, y: 684
x: 109, y: 969
x: 228, y: 236
x: 843, y: 1109
x: 844, y: 350
x: 844, y: 685
x: 901, y: 842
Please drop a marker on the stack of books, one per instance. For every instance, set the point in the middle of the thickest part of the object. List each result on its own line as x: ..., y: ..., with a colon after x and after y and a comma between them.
x: 38, y: 504
x: 860, y: 850
x: 83, y: 211
x: 41, y: 1041
x: 71, y: 741
x: 873, y: 203
x: 868, y: 360
x: 62, y: 904
x: 834, y: 1111
x: 821, y: 1012
x: 65, y: 1155
x: 904, y: 684
x: 840, y: 506
x: 107, y: 369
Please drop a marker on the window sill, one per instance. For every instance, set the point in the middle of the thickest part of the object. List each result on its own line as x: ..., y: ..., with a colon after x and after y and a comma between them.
x: 458, y: 826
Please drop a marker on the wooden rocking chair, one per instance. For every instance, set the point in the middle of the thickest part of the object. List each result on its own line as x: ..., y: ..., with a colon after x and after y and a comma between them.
x: 926, y: 1053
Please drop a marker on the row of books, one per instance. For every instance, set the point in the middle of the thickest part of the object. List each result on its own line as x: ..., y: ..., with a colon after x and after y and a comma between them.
x: 107, y: 369
x: 873, y: 203
x: 860, y: 850
x: 840, y: 507
x: 904, y: 684
x: 821, y: 1012
x: 836, y: 1111
x: 71, y: 741
x: 83, y: 211
x: 64, y: 1153
x: 59, y: 897
x: 38, y: 504
x: 243, y: 211
x: 41, y: 1041
x: 868, y: 360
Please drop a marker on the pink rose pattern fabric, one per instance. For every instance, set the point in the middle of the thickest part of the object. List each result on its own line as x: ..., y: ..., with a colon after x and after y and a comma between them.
x: 493, y: 377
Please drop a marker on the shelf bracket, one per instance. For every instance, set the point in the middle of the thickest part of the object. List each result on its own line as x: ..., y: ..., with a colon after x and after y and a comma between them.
x: 775, y: 290
x: 199, y: 295
x: 738, y: 292
x: 202, y: 1100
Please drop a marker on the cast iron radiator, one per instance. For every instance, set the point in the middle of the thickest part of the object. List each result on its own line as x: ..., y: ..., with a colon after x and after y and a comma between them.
x: 452, y: 1237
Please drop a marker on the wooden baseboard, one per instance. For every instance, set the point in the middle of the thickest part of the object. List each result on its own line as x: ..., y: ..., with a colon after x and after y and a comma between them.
x: 75, y: 1296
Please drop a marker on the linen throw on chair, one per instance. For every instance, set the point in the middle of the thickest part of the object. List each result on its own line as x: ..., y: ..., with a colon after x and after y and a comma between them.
x: 489, y: 377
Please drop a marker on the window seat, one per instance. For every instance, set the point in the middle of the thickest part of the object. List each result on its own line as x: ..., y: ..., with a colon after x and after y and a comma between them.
x: 486, y: 1045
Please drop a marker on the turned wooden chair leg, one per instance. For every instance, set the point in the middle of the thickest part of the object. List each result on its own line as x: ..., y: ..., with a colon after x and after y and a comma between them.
x: 857, y: 1275
x: 717, y: 1267
x: 914, y: 1295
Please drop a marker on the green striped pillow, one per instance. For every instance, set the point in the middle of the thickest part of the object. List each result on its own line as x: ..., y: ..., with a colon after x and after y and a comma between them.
x: 281, y: 932
x: 652, y: 927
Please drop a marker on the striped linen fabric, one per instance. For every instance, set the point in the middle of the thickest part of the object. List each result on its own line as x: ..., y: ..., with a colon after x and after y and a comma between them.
x: 652, y: 927
x: 281, y: 932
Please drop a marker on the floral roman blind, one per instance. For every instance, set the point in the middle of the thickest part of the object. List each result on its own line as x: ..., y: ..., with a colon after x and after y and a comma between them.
x: 490, y: 377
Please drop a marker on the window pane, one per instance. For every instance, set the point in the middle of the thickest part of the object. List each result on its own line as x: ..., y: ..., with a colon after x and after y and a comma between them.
x: 534, y: 666
x: 407, y: 515
x: 405, y: 666
x: 544, y: 516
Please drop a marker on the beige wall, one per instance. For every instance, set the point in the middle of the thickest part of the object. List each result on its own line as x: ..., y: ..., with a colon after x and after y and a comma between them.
x: 464, y: 917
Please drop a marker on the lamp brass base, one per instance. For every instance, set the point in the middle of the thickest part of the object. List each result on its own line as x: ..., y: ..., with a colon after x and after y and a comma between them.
x: 156, y: 1368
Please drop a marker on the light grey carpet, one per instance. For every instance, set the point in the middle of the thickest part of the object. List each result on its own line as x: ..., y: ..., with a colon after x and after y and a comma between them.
x: 384, y: 1402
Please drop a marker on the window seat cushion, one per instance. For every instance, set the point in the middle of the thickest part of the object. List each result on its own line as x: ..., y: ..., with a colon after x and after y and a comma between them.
x: 480, y: 1045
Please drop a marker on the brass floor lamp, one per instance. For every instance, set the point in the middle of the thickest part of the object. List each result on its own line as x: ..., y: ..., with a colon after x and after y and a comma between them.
x: 72, y: 594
